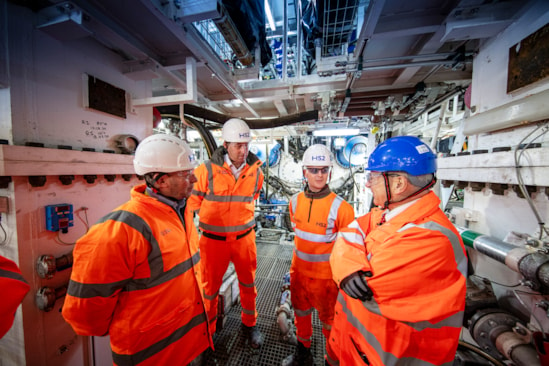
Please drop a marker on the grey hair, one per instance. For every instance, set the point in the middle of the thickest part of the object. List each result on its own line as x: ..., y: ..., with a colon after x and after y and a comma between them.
x: 419, y: 181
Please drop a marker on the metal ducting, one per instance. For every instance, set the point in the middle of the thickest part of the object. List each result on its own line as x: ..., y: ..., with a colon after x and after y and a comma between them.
x: 232, y: 36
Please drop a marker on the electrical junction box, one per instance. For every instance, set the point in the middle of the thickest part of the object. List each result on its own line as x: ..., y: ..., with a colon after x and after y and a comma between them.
x: 59, y: 217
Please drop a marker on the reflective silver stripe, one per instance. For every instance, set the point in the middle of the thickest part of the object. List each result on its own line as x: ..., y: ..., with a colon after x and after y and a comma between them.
x: 249, y: 285
x: 223, y: 198
x: 198, y: 193
x: 332, y: 216
x: 352, y: 237
x: 257, y: 187
x: 248, y: 312
x: 315, y: 238
x: 355, y: 225
x: 303, y: 312
x: 12, y: 275
x: 329, y: 236
x: 312, y: 257
x: 331, y: 361
x: 459, y: 255
x: 303, y: 340
x: 226, y: 229
x: 292, y: 206
x: 386, y: 357
x: 454, y: 321
x: 181, y: 268
x: 208, y: 165
x: 156, y: 264
x: 293, y: 201
x: 211, y: 297
x: 157, y: 347
x: 326, y: 326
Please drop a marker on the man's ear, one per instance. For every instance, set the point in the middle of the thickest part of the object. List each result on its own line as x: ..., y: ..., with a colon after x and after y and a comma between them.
x: 400, y: 184
x: 161, y: 182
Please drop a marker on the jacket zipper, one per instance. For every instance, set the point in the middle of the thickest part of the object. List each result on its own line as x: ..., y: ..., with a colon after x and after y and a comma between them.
x: 310, y: 209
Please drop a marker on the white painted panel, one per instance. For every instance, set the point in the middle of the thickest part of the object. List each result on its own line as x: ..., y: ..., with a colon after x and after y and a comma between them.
x: 47, y: 91
x: 29, y: 161
x: 498, y: 167
x: 490, y: 65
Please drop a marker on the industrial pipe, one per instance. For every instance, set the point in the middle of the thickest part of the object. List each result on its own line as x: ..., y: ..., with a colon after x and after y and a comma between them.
x: 501, y: 334
x: 531, y: 263
x: 284, y: 317
x: 254, y: 123
x: 284, y: 312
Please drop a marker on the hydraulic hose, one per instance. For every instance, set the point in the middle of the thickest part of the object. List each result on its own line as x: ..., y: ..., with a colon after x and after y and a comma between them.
x: 531, y: 263
x: 480, y: 352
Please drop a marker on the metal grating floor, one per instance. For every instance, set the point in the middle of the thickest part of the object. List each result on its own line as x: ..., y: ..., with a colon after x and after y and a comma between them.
x: 273, y: 261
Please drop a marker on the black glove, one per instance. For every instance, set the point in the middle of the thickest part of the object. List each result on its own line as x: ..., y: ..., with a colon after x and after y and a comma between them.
x: 356, y: 286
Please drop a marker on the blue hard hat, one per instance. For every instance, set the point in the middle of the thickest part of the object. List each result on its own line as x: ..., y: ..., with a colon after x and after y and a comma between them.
x: 403, y: 154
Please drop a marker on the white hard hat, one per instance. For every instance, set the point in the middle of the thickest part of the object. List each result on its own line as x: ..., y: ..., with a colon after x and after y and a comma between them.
x: 236, y: 130
x: 164, y: 154
x: 317, y: 155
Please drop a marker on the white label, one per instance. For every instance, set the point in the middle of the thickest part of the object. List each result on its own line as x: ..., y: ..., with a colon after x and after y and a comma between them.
x: 422, y: 149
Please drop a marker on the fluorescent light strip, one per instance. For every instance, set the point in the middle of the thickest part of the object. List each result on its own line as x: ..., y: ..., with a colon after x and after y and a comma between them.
x: 336, y: 132
x: 270, y: 16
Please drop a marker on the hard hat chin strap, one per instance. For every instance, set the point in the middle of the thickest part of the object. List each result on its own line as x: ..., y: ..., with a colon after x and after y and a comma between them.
x: 152, y: 178
x: 388, y: 190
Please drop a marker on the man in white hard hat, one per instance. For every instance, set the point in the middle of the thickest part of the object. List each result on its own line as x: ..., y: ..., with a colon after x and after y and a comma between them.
x: 137, y: 272
x: 224, y: 195
x: 317, y: 214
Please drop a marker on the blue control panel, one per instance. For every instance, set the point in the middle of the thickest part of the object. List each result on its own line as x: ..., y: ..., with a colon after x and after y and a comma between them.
x: 59, y: 217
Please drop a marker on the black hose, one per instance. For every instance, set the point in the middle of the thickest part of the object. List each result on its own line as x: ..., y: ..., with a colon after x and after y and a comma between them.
x: 206, y: 135
x: 480, y: 352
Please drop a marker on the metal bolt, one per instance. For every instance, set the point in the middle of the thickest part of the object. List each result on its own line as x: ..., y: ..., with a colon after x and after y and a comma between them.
x: 520, y: 331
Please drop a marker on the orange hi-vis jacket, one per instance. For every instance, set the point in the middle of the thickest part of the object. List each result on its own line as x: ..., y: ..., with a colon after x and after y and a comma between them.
x: 15, y: 287
x: 419, y: 269
x: 137, y: 277
x: 225, y: 204
x: 316, y: 218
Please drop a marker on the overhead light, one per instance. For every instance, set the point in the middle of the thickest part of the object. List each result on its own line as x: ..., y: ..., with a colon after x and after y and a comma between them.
x: 269, y: 14
x: 339, y: 142
x: 336, y: 132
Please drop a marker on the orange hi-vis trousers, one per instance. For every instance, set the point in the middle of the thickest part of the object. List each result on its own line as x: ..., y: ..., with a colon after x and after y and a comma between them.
x: 216, y: 255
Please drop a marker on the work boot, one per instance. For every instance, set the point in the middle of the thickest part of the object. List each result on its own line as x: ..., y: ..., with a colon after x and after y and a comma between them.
x: 301, y: 357
x: 254, y: 336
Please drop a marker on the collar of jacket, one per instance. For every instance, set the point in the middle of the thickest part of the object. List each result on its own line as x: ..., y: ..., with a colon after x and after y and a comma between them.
x: 172, y: 202
x: 218, y: 159
x: 320, y: 194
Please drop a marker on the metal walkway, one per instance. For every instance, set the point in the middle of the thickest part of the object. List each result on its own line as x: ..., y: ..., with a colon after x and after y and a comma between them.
x: 273, y: 261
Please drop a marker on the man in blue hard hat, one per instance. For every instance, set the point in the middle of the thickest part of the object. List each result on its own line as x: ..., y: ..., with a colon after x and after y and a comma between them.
x: 401, y: 268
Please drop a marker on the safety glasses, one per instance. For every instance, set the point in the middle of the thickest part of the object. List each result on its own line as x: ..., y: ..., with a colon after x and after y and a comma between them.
x: 324, y: 170
x: 183, y: 173
x: 370, y: 176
